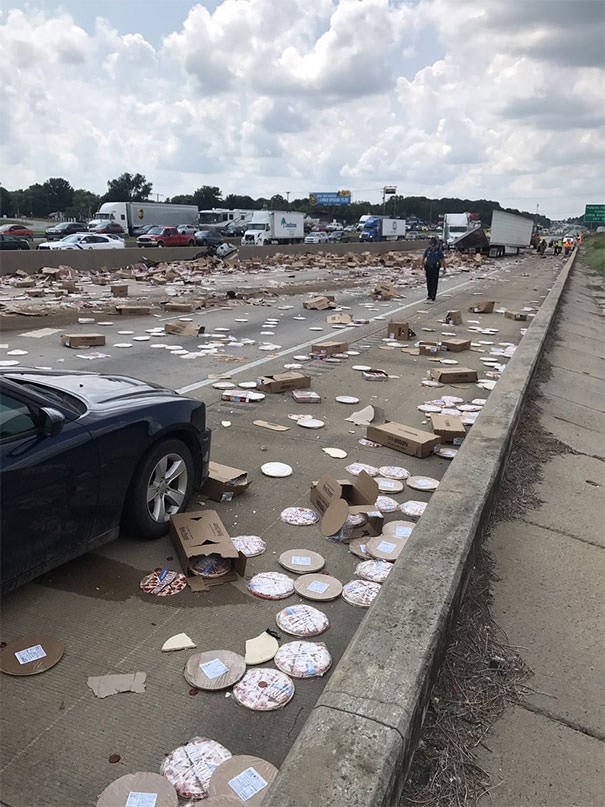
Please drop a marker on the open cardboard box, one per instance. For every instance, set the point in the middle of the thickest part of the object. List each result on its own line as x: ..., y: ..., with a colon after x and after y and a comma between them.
x: 486, y: 307
x: 407, y: 439
x: 520, y: 316
x: 319, y: 303
x: 224, y: 482
x: 453, y: 317
x: 428, y: 348
x: 382, y: 291
x: 325, y: 349
x: 448, y: 427
x: 335, y: 499
x: 181, y: 328
x: 203, y: 533
x: 400, y: 331
x: 283, y: 382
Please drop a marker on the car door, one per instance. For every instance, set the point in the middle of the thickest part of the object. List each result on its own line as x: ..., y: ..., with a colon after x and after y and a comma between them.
x: 48, y: 489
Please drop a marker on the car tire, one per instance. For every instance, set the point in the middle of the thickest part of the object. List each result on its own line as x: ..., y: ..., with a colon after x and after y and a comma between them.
x: 160, y: 243
x: 167, y: 467
x: 191, y: 244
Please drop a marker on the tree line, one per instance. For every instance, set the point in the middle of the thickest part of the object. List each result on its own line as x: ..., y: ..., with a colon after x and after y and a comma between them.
x: 57, y: 196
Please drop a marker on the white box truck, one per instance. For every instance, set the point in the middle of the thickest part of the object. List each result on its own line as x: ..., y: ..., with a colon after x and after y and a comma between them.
x: 137, y: 214
x: 509, y: 232
x: 378, y: 228
x: 274, y: 227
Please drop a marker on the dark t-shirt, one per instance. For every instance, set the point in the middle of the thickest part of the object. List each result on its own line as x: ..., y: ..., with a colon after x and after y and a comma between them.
x: 432, y: 257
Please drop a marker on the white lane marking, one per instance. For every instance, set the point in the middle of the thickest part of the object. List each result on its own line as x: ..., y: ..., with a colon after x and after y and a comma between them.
x: 265, y: 359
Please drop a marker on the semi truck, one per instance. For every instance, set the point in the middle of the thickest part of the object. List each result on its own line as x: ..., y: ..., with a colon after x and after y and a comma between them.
x: 456, y: 225
x: 274, y: 227
x: 136, y: 214
x: 378, y: 228
x: 508, y: 233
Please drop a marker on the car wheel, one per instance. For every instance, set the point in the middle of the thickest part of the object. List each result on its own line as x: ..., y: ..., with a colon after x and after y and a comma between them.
x: 161, y: 488
x: 160, y: 243
x: 192, y: 243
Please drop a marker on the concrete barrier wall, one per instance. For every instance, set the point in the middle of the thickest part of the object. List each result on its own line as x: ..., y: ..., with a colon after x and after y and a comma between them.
x: 86, y: 260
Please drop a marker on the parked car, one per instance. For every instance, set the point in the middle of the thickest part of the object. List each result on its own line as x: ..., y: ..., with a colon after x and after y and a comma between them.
x: 84, y: 453
x: 108, y: 228
x: 65, y: 228
x: 316, y: 237
x: 186, y: 229
x: 12, y: 242
x: 208, y: 238
x: 165, y: 237
x: 337, y: 235
x: 144, y: 228
x: 18, y: 230
x: 85, y: 241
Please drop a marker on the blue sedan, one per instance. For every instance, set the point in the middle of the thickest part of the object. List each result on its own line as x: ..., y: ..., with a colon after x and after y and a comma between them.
x: 82, y: 454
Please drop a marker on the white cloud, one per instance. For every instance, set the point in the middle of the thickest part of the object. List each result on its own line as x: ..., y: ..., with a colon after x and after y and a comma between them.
x: 491, y: 100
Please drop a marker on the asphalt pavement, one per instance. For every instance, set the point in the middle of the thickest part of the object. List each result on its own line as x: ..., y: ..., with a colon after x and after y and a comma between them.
x: 52, y: 723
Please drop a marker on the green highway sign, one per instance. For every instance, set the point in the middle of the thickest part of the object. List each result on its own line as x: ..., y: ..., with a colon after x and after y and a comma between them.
x: 594, y: 214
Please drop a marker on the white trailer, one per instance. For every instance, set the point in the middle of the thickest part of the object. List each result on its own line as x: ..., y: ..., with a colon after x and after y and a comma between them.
x: 274, y: 227
x: 378, y: 228
x: 136, y: 214
x: 509, y: 232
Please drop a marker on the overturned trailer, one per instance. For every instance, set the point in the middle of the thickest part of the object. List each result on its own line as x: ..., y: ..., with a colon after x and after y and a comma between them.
x: 508, y: 234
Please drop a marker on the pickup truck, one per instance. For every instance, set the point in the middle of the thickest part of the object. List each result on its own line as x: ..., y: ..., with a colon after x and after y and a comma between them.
x: 165, y: 237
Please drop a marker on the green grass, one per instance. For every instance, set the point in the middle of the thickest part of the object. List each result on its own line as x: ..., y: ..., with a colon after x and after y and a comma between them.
x: 595, y: 252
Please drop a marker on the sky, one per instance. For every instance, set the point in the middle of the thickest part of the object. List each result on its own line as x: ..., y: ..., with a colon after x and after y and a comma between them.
x: 497, y: 99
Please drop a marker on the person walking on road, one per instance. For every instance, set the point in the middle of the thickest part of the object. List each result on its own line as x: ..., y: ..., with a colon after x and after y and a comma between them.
x: 432, y: 261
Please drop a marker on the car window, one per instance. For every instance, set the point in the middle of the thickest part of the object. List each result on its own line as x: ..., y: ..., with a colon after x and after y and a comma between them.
x: 15, y: 417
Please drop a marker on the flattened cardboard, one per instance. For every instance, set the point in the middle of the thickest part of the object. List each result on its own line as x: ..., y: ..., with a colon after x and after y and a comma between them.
x: 116, y: 794
x: 306, y: 396
x: 184, y: 328
x: 105, y: 685
x: 454, y: 375
x: 448, y: 427
x: 224, y: 482
x: 274, y: 427
x: 407, y: 439
x: 336, y: 499
x: 485, y: 307
x: 453, y: 318
x: 319, y: 302
x: 283, y: 382
x: 400, y: 331
x: 520, y: 316
x: 325, y: 349
x: 53, y: 652
x: 456, y: 345
x: 203, y: 533
x: 339, y: 319
x: 227, y: 772
x: 79, y: 340
x: 141, y: 310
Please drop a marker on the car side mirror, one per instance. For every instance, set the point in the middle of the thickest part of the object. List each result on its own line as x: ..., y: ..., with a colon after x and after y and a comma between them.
x: 52, y: 421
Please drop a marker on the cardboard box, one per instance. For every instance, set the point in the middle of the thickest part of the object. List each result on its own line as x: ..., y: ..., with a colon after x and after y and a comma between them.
x: 77, y: 340
x: 428, y: 348
x: 306, y: 396
x: 454, y: 375
x: 184, y: 328
x: 203, y: 533
x: 485, y: 307
x: 520, y: 316
x: 184, y: 308
x: 448, y: 427
x: 382, y: 291
x: 142, y: 310
x: 119, y: 289
x: 336, y: 499
x: 324, y: 349
x: 319, y: 303
x: 400, y: 331
x: 403, y: 438
x: 283, y: 382
x: 339, y: 319
x: 456, y: 345
x: 224, y: 483
x: 453, y: 318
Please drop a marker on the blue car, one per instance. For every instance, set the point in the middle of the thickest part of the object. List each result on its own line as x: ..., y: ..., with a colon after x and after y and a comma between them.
x: 82, y: 454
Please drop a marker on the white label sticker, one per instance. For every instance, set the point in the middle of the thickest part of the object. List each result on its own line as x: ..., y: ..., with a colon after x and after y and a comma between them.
x: 30, y: 654
x: 301, y: 560
x: 136, y: 799
x: 385, y: 546
x: 212, y: 669
x: 247, y: 783
x: 403, y: 532
x: 317, y: 587
x: 374, y: 514
x: 363, y: 548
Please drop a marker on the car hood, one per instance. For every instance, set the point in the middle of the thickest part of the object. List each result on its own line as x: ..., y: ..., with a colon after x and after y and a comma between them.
x: 95, y: 389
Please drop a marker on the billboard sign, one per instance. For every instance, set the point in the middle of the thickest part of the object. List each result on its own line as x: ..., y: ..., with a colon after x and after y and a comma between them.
x: 594, y: 214
x: 328, y: 199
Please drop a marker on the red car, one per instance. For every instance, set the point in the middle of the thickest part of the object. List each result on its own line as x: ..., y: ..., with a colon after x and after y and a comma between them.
x: 18, y: 230
x: 165, y: 237
x: 109, y: 228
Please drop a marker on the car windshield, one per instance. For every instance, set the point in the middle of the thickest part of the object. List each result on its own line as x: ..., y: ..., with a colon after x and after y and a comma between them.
x: 257, y: 226
x: 155, y: 231
x: 56, y: 396
x: 70, y: 239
